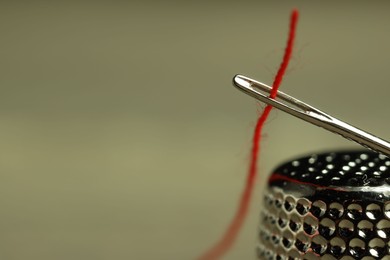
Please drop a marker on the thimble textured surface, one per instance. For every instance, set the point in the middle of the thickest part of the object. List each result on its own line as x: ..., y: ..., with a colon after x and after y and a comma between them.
x: 328, y: 206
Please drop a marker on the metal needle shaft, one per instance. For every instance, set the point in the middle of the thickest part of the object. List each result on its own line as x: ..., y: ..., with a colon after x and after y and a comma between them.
x: 310, y: 114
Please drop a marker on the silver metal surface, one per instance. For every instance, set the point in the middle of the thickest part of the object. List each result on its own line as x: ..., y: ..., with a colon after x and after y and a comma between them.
x: 310, y: 114
x: 318, y: 207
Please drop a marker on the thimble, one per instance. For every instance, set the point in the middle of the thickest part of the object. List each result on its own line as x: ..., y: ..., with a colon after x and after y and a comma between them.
x: 327, y: 206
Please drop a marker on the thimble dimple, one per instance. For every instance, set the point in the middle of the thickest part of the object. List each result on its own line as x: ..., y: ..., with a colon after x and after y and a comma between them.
x: 328, y: 206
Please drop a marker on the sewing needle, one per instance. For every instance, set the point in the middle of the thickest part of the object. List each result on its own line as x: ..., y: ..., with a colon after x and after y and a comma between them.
x: 299, y: 109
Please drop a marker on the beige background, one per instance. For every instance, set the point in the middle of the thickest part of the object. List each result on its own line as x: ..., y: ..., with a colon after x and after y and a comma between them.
x: 123, y: 138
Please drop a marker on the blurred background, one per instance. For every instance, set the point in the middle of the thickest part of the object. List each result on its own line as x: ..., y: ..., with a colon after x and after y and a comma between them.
x: 122, y: 136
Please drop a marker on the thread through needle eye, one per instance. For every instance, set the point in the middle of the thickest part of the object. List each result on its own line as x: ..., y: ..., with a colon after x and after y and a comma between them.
x: 297, y: 108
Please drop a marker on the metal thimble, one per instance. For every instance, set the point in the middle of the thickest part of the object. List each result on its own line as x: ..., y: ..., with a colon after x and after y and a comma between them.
x: 328, y: 206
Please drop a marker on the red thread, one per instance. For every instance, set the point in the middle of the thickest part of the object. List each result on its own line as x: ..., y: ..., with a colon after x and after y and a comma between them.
x: 231, y: 233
